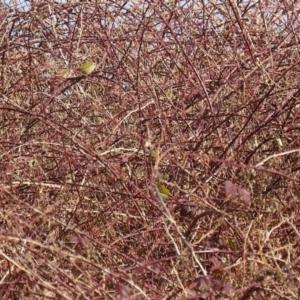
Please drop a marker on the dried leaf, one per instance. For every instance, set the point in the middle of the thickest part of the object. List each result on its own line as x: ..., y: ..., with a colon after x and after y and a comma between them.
x: 123, y: 291
x: 231, y: 190
x: 245, y: 195
x: 217, y: 267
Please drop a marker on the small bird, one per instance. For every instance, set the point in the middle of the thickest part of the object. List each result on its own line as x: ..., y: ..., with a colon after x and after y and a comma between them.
x: 87, y: 68
x: 153, y: 156
x: 164, y: 193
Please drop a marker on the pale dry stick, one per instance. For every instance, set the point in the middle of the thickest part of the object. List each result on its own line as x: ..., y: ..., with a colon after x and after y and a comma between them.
x: 213, y: 175
x: 171, y: 237
x: 212, y: 210
x: 130, y: 113
x: 187, y: 244
x: 236, y: 264
x: 28, y: 144
x: 257, y: 165
x: 50, y: 185
x: 82, y: 147
x: 259, y: 63
x: 243, y: 29
x: 8, y: 273
x: 160, y: 157
x: 293, y: 226
x: 260, y: 163
x: 268, y: 234
x: 276, y: 155
x: 62, y: 253
x: 51, y: 265
x: 245, y: 251
x: 117, y: 150
x: 190, y: 63
x: 207, y: 234
x: 129, y: 281
x: 34, y: 275
x: 178, y: 278
x: 196, y: 219
x: 288, y: 248
x: 43, y: 184
x: 198, y: 76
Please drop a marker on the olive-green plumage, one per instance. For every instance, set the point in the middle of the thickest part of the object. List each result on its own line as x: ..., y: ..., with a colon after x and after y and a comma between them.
x: 87, y: 67
x: 153, y: 156
x: 164, y: 192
